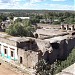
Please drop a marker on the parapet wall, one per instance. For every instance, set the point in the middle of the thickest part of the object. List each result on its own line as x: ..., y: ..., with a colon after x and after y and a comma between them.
x: 7, y: 41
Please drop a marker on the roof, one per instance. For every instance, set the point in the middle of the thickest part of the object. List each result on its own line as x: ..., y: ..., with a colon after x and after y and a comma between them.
x: 18, y: 39
x: 12, y: 38
x: 51, y: 32
x: 57, y: 39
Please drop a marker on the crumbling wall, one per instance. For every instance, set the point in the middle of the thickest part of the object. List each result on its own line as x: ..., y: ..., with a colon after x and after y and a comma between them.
x: 66, y: 47
x: 29, y: 58
x: 49, y: 51
x: 41, y: 44
x: 62, y: 50
x: 57, y: 50
x: 28, y: 45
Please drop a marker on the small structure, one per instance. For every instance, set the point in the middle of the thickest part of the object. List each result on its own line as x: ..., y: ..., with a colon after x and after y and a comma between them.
x: 67, y: 27
x: 62, y: 27
x: 45, y: 21
x: 21, y: 18
x: 72, y: 28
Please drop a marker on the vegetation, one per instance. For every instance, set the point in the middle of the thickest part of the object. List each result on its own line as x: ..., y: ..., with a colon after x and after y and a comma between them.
x: 43, y: 68
x: 67, y: 17
x: 69, y: 61
x: 3, y: 18
x: 21, y: 28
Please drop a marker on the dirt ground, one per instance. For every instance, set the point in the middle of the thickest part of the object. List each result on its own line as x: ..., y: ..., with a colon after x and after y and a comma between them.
x: 6, y: 69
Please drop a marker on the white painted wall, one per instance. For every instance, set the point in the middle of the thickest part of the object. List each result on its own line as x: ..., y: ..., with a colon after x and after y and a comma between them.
x: 21, y: 18
x: 8, y: 50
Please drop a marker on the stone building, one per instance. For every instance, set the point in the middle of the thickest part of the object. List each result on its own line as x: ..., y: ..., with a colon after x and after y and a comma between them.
x: 21, y: 49
x: 28, y: 51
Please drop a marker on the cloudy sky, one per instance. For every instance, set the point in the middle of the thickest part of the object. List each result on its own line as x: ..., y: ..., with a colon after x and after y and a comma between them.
x: 38, y: 4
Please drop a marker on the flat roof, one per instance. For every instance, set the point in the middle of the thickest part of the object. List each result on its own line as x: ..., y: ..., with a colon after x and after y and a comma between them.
x: 51, y: 32
x: 13, y: 38
x: 57, y: 39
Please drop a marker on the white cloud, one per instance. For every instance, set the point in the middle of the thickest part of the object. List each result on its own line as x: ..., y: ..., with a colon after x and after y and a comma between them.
x: 9, y: 1
x: 34, y: 1
x: 60, y: 7
x: 58, y: 0
x: 10, y: 4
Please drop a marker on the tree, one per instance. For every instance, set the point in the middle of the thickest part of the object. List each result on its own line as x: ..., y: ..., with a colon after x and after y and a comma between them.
x: 18, y: 20
x: 35, y: 19
x: 44, y: 68
x: 11, y: 17
x: 21, y: 29
x: 3, y: 17
x: 16, y: 30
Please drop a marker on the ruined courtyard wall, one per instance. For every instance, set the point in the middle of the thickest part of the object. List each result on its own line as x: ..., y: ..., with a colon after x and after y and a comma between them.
x: 53, y: 55
x: 71, y: 43
x: 66, y: 47
x: 48, y: 53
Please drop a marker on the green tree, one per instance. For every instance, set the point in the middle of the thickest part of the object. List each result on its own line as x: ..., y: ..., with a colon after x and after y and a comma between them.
x: 21, y: 29
x: 44, y: 68
x: 18, y: 20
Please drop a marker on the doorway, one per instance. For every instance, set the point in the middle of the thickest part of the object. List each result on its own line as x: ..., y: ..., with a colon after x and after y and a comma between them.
x: 21, y: 60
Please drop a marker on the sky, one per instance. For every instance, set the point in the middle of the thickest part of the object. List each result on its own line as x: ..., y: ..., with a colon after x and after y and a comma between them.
x: 38, y: 4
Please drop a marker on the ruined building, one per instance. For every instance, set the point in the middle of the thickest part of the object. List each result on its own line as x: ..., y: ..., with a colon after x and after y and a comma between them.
x: 51, y: 43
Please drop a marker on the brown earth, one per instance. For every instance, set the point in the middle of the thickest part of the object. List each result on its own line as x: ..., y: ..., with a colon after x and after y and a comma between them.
x: 6, y: 69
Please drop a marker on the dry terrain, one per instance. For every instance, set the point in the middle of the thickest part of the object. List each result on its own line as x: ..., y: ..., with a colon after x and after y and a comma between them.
x: 6, y: 69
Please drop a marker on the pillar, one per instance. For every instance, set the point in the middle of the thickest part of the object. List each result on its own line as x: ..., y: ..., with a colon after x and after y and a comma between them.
x: 62, y: 27
x: 72, y: 28
x: 9, y: 53
x: 2, y: 50
x: 15, y: 54
x: 67, y: 27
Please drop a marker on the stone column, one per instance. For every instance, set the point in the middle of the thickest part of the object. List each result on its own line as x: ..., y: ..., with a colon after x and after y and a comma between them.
x: 67, y: 27
x: 62, y: 27
x: 72, y: 28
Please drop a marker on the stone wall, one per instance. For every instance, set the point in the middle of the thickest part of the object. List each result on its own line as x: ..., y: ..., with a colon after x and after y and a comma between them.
x: 29, y: 58
x: 51, y: 53
x: 66, y: 47
x: 41, y: 44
